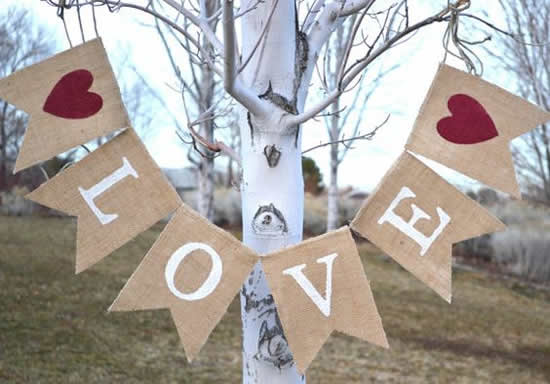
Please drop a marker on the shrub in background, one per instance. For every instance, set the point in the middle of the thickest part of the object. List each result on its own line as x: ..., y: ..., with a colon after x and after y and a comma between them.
x: 524, y: 248
x: 313, y: 178
x: 348, y: 209
x: 522, y: 213
x: 487, y: 196
x: 315, y: 215
x: 12, y: 202
x: 227, y: 207
x: 524, y: 252
x: 477, y: 248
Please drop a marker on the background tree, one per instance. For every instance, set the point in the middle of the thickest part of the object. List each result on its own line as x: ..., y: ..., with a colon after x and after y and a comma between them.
x: 527, y: 57
x: 200, y: 89
x: 22, y: 43
x: 343, y: 121
x: 268, y: 69
x: 313, y: 179
x: 139, y: 100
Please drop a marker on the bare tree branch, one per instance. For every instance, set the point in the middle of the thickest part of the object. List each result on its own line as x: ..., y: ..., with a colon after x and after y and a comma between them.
x: 359, y: 67
x: 201, y: 22
x: 365, y: 136
x: 233, y: 86
x: 115, y: 5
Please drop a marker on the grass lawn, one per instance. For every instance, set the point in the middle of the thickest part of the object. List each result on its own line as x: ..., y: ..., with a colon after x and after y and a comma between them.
x: 54, y: 327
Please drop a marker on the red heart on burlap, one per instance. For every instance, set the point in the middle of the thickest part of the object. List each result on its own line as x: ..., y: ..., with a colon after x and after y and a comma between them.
x: 70, y: 98
x: 469, y: 123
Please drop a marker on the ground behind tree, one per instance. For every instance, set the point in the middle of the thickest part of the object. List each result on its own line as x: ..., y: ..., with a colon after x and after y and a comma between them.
x: 54, y: 326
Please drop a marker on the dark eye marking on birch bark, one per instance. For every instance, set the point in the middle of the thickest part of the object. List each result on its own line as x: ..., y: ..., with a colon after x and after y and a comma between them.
x: 250, y: 302
x: 279, y: 100
x: 272, y: 344
x: 269, y: 221
x: 300, y: 66
x: 272, y: 154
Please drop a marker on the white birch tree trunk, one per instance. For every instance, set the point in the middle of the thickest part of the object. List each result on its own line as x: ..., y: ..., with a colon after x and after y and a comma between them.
x: 333, y: 214
x: 205, y: 196
x: 272, y: 186
x: 279, y: 60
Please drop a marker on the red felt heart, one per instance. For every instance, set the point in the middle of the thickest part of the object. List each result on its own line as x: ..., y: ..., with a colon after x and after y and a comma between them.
x: 70, y: 98
x: 469, y: 123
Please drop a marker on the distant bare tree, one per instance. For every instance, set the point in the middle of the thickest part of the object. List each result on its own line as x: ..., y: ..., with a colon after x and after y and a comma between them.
x: 527, y: 57
x: 22, y: 43
x: 139, y: 98
x: 200, y: 92
x: 343, y: 121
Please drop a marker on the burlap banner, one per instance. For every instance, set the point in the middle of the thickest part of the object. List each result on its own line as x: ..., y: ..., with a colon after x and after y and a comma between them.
x: 415, y: 216
x: 117, y: 192
x: 71, y: 99
x: 466, y: 124
x: 195, y: 269
x: 319, y: 286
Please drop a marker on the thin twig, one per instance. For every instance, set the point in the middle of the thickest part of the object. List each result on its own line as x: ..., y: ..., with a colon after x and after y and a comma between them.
x: 95, y: 21
x: 295, y: 120
x: 114, y: 5
x: 366, y: 136
x: 44, y: 173
x: 80, y: 21
x: 233, y: 86
x: 506, y: 33
x: 67, y: 32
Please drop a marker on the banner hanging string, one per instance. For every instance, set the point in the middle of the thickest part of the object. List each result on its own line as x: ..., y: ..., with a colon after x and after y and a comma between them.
x: 465, y: 53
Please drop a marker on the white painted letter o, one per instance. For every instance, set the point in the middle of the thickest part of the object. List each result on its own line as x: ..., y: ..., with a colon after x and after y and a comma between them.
x: 210, y: 283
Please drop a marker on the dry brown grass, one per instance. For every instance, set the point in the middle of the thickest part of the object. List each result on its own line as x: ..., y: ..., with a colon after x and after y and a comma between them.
x: 54, y: 327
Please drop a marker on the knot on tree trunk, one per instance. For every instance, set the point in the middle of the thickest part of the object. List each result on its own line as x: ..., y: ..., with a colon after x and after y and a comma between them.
x: 272, y: 154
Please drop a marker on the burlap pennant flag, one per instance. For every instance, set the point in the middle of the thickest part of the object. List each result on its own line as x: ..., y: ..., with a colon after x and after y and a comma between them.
x: 71, y: 99
x: 319, y: 286
x: 117, y: 192
x: 466, y: 124
x: 195, y: 269
x: 415, y: 217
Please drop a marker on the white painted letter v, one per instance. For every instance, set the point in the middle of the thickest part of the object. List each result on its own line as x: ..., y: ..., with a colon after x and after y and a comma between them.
x: 323, y: 303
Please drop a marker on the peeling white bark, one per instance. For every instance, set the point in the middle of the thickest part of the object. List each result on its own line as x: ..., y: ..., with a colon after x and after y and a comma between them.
x: 333, y: 217
x: 272, y: 218
x: 333, y: 213
x: 272, y: 185
x: 272, y: 89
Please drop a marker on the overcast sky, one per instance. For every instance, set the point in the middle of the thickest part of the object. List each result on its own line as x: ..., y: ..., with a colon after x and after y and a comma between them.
x: 400, y: 94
